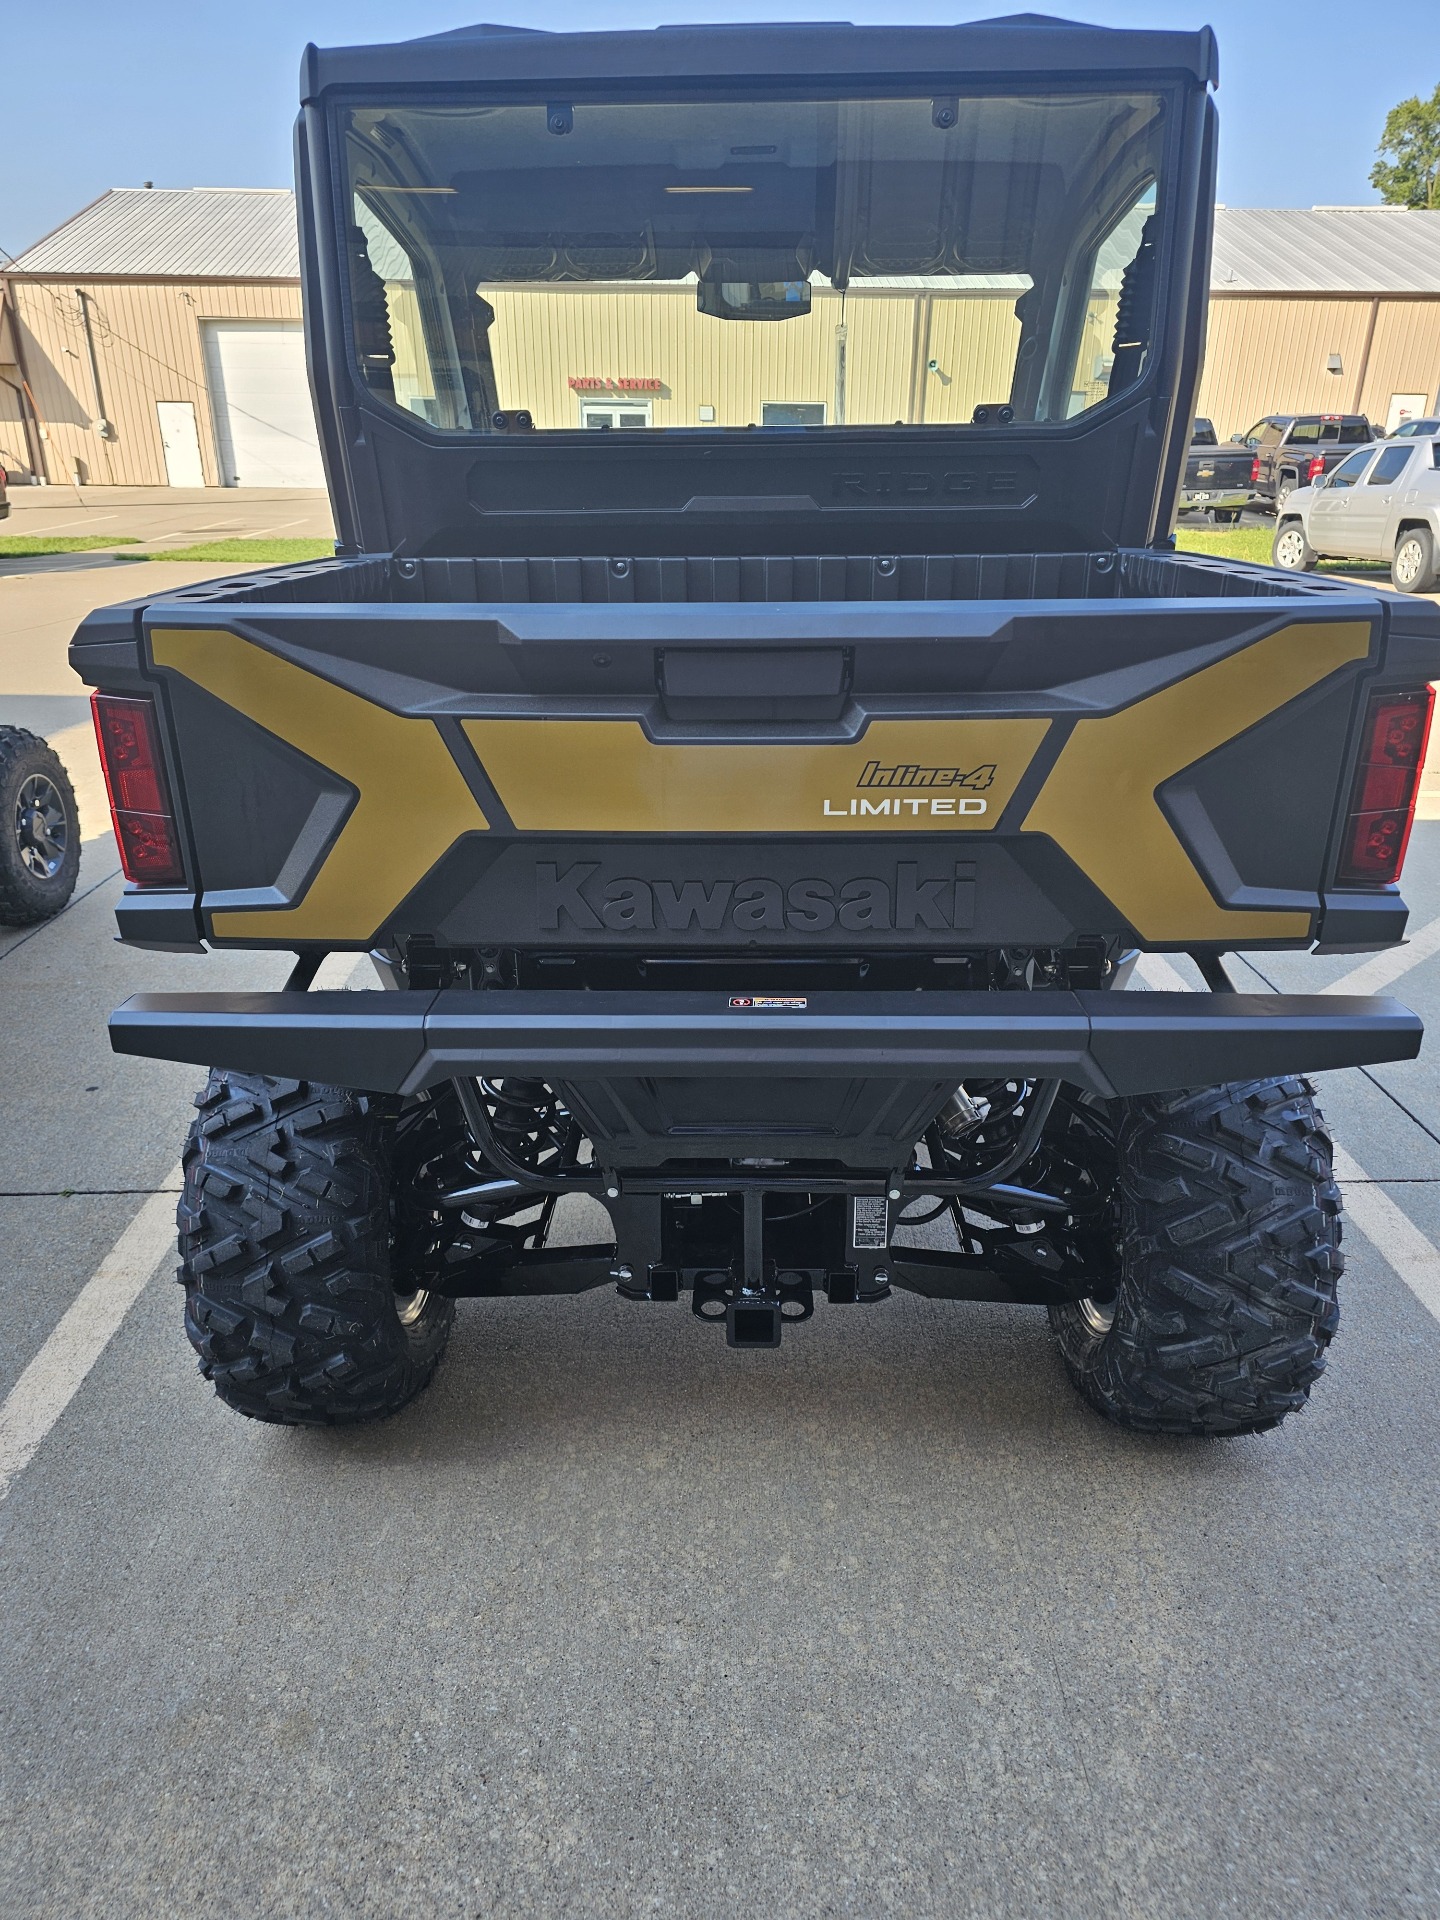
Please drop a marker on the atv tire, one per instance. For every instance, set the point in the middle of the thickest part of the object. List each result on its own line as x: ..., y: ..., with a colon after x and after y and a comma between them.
x: 285, y: 1235
x: 1229, y: 1255
x: 39, y: 830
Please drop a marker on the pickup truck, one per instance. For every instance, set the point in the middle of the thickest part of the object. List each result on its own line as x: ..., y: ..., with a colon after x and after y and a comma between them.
x: 1294, y: 450
x: 1383, y: 503
x: 753, y: 819
x: 1217, y: 478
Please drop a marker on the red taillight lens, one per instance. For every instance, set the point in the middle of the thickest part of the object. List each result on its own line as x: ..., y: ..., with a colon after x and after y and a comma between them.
x: 1255, y: 469
x: 1316, y: 467
x: 139, y: 796
x: 1387, y: 782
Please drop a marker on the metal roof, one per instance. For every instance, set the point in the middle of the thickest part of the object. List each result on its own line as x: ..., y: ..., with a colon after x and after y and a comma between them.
x: 248, y: 233
x: 1325, y: 250
x: 175, y: 233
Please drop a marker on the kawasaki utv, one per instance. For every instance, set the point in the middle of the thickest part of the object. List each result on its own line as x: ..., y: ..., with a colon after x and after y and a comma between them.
x: 754, y: 719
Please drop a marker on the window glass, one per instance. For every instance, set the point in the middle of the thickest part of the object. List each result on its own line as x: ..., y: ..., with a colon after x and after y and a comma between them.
x: 1304, y: 433
x: 1391, y: 464
x: 1349, y: 471
x: 1262, y: 430
x: 798, y: 413
x: 1353, y: 433
x: 898, y: 260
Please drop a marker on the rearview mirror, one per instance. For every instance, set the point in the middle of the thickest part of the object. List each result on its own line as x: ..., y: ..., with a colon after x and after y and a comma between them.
x: 753, y: 299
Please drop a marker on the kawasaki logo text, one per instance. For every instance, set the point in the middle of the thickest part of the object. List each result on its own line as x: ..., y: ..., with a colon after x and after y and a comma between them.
x: 573, y: 896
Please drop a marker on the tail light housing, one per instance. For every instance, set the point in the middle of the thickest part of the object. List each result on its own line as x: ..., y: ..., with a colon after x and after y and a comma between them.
x: 1386, y: 786
x: 140, y: 809
x: 1315, y: 468
x: 1254, y: 469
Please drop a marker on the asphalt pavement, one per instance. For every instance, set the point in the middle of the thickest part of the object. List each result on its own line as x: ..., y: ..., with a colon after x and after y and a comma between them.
x: 616, y: 1621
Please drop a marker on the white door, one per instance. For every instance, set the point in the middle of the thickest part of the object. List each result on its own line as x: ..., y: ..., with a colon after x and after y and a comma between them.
x: 181, y: 442
x: 1374, y: 504
x: 1405, y: 406
x: 1327, y: 521
x: 264, y: 422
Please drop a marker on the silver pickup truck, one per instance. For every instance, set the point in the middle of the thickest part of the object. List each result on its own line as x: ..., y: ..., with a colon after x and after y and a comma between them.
x: 1383, y: 503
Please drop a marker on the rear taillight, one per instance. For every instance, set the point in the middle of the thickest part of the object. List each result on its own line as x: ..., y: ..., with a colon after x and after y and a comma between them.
x: 1255, y: 469
x: 1315, y: 468
x: 1387, y: 782
x: 140, y: 807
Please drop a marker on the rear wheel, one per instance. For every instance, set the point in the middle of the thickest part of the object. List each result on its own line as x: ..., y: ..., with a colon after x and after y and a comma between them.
x: 1290, y: 549
x: 39, y: 829
x: 1284, y: 490
x: 1224, y: 1299
x: 1413, y: 568
x: 292, y: 1299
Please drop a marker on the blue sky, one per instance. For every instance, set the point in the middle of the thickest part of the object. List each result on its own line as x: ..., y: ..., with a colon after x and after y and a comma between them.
x: 202, y: 92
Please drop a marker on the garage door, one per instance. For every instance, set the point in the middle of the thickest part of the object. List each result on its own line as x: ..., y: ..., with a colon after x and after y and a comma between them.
x: 264, y: 423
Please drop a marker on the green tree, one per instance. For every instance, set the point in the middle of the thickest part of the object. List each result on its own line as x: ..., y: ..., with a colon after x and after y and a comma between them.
x: 1408, y: 172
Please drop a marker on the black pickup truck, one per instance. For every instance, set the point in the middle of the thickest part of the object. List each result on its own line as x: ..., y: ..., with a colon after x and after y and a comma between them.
x: 751, y: 818
x: 1296, y: 450
x: 1217, y: 478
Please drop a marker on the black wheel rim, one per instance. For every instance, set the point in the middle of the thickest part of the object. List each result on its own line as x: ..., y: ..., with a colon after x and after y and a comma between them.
x: 42, y: 833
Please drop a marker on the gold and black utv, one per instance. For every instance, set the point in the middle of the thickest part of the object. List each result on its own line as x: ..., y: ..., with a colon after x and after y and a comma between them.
x: 754, y: 719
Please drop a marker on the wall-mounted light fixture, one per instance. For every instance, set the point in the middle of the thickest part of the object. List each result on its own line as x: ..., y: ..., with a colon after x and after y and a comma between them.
x: 1334, y: 364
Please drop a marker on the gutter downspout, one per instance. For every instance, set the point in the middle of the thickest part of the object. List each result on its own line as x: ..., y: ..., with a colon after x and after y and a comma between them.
x: 34, y: 426
x: 102, y: 425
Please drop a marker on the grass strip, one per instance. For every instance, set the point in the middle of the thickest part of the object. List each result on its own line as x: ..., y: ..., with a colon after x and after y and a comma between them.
x: 256, y: 552
x: 1253, y: 543
x: 24, y: 546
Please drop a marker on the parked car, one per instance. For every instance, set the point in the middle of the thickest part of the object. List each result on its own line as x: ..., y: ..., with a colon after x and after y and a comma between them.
x: 1417, y: 429
x: 1294, y: 450
x: 1383, y: 503
x: 39, y: 829
x: 1217, y: 479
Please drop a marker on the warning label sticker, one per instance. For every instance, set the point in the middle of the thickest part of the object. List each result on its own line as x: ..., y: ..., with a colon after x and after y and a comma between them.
x: 760, y: 1001
x: 870, y: 1220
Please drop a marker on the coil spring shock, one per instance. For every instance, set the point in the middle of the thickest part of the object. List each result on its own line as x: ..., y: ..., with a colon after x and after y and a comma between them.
x: 520, y: 1109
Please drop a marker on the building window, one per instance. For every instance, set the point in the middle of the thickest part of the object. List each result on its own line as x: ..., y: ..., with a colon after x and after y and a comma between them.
x: 792, y: 413
x: 607, y: 413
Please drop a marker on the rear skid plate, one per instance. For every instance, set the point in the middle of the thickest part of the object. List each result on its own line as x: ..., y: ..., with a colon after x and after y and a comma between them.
x: 1111, y: 1044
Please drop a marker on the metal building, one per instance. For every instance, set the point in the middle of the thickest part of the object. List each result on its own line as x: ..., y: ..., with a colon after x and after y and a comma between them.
x: 155, y: 338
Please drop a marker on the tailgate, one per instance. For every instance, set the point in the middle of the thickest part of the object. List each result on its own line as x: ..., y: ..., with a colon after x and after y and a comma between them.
x: 852, y: 777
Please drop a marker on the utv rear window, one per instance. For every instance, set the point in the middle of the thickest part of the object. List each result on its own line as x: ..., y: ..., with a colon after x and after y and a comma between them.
x: 752, y: 265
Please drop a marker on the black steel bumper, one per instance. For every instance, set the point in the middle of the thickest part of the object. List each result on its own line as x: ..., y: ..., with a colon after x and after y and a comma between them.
x: 1109, y: 1043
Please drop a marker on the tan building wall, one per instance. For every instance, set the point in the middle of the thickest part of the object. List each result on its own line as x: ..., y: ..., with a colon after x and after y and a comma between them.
x: 1265, y: 354
x: 148, y: 347
x: 544, y: 337
x: 1269, y: 354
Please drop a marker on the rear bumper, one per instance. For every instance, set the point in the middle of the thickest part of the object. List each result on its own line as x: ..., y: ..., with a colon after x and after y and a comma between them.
x: 1108, y: 1043
x: 1207, y: 499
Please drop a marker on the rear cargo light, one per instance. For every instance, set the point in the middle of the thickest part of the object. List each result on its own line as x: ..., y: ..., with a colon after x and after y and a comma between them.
x: 140, y: 807
x: 1315, y: 468
x: 1387, y: 783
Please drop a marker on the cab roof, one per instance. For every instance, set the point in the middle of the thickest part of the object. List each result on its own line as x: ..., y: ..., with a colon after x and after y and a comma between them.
x: 1026, y: 46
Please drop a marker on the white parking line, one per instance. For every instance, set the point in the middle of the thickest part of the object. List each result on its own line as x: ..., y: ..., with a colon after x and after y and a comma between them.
x: 1382, y: 970
x: 1391, y: 1231
x: 53, y: 1377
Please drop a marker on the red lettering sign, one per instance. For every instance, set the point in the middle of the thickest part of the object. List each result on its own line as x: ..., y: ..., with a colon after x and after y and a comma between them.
x: 609, y: 382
